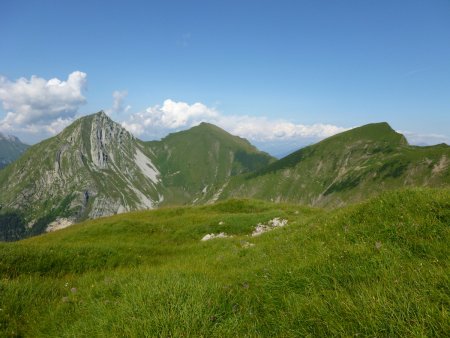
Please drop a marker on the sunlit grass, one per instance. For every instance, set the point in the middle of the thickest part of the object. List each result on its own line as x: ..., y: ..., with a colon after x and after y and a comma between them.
x: 378, y: 269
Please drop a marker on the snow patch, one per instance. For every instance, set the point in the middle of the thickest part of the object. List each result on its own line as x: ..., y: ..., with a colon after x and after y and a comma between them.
x: 272, y: 224
x: 146, y: 166
x: 213, y: 236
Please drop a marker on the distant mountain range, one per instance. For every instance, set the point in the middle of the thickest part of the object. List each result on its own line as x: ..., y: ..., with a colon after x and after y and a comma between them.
x: 95, y: 168
x: 10, y: 149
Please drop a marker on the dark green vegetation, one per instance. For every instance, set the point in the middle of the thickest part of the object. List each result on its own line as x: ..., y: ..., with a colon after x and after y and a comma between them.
x: 12, y: 226
x: 10, y: 149
x: 346, y: 168
x: 379, y: 268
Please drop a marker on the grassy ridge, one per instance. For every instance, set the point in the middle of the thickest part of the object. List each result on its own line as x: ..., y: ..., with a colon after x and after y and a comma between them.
x: 346, y: 168
x: 378, y: 268
x: 195, y: 163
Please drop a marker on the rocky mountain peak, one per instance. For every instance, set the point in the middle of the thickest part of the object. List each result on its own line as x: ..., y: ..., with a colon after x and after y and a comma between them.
x: 93, y: 168
x: 106, y: 136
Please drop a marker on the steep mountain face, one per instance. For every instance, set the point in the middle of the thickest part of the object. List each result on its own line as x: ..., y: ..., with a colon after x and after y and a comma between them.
x: 93, y: 168
x: 197, y: 163
x: 10, y: 149
x: 347, y: 167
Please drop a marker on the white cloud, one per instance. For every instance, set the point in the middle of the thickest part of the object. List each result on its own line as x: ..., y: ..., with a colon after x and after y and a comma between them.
x: 51, y: 128
x: 119, y: 106
x: 265, y: 129
x: 425, y: 139
x: 37, y: 105
x: 157, y: 121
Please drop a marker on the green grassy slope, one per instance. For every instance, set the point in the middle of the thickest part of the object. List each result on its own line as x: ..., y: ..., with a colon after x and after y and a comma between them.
x: 195, y: 163
x: 19, y: 180
x: 347, y: 167
x: 375, y: 269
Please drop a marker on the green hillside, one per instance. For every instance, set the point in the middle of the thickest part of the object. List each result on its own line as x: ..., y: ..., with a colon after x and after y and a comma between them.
x: 347, y: 167
x: 196, y: 163
x: 374, y: 269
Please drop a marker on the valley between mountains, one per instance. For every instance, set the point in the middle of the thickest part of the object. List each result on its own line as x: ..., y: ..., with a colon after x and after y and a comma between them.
x: 96, y: 168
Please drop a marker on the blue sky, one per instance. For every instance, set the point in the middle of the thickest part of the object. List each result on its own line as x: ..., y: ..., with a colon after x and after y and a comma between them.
x: 306, y: 68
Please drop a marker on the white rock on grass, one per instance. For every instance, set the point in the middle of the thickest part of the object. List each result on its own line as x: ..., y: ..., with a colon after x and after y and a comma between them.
x: 213, y: 236
x: 272, y: 224
x: 58, y: 224
x: 246, y: 244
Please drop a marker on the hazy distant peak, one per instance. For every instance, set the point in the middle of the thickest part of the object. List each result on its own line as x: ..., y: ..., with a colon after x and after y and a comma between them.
x: 9, y: 138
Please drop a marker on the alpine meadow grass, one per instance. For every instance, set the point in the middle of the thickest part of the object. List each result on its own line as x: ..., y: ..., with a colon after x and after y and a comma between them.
x: 379, y: 268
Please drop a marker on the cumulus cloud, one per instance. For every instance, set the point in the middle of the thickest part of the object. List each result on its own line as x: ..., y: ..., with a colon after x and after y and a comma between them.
x: 119, y: 106
x: 35, y: 105
x: 51, y: 128
x: 157, y: 121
